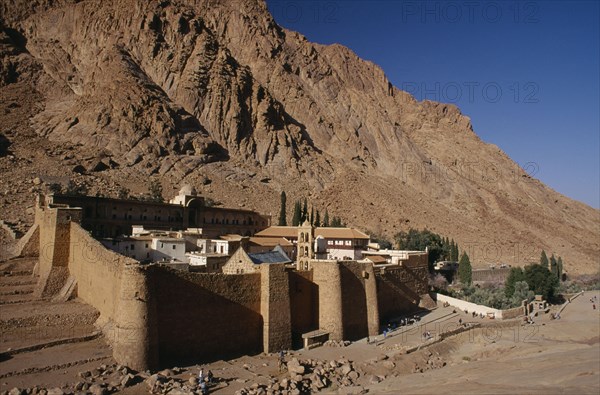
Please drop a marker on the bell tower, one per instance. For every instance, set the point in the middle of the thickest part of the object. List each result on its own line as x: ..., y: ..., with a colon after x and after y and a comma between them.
x: 305, y: 246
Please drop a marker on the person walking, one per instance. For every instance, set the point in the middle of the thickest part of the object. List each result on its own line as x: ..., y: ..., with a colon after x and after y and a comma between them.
x: 281, y: 361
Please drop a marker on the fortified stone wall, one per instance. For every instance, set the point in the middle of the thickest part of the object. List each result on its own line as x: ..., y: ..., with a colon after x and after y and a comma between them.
x: 359, y: 300
x: 327, y: 278
x: 205, y: 316
x: 304, y: 302
x: 55, y: 234
x: 275, y: 308
x: 399, y: 290
x: 347, y: 299
x: 155, y: 316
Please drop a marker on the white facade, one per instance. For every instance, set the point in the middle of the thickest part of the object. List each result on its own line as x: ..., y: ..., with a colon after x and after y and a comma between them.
x: 167, y: 249
x: 138, y: 248
x: 214, y: 246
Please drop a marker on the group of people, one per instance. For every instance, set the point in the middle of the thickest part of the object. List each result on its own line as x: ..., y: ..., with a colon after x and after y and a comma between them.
x: 427, y: 335
x: 204, y: 380
x: 593, y: 301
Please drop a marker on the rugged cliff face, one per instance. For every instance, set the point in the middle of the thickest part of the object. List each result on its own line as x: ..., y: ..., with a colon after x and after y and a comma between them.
x: 217, y: 94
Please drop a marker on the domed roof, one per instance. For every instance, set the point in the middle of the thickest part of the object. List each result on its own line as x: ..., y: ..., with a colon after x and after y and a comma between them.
x: 188, y: 190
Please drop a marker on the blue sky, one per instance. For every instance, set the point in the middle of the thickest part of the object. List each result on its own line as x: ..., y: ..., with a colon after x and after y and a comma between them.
x: 526, y: 72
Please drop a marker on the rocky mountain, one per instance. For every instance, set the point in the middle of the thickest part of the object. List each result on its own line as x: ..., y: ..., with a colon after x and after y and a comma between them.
x: 213, y: 92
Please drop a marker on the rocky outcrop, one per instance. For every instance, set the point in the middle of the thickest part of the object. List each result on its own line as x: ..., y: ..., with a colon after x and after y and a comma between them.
x: 189, y: 89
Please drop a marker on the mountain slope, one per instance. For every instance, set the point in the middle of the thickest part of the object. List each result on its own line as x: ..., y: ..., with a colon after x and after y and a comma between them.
x: 217, y: 94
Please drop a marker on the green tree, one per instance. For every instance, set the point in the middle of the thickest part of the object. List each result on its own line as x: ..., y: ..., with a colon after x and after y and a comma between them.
x: 283, y: 210
x: 453, y: 251
x: 304, y: 212
x: 383, y: 242
x: 559, y: 265
x: 554, y: 266
x: 521, y: 292
x: 317, y: 219
x: 417, y: 240
x: 516, y: 274
x: 312, y: 216
x: 297, y: 217
x: 544, y: 259
x: 326, y: 219
x: 465, y: 271
x: 541, y: 281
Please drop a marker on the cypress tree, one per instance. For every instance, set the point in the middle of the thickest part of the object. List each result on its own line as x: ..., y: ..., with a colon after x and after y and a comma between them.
x: 559, y: 266
x: 304, y: 216
x: 317, y: 219
x: 554, y: 266
x: 282, y: 210
x: 516, y: 274
x: 326, y: 219
x: 312, y: 216
x: 465, y: 272
x: 297, y: 214
x: 544, y: 259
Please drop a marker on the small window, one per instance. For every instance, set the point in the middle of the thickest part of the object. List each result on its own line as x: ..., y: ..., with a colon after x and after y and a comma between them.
x: 132, y: 247
x: 146, y: 245
x: 174, y: 246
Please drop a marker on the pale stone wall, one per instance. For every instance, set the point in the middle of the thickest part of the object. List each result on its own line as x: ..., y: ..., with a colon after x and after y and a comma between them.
x: 327, y: 277
x: 275, y: 308
x: 239, y: 263
x: 468, y: 306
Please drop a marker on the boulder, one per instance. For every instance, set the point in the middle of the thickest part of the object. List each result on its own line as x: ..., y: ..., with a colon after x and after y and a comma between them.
x: 295, y: 367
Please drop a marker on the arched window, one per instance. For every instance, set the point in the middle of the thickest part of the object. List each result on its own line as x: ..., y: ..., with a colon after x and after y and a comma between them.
x: 301, y: 237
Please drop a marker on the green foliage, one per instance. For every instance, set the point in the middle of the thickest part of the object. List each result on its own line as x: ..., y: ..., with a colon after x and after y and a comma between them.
x: 326, y: 219
x: 559, y: 266
x: 312, y: 216
x: 465, y: 271
x: 156, y: 191
x: 454, y: 251
x: 419, y: 240
x: 317, y: 219
x: 381, y: 240
x: 521, y: 292
x: 554, y: 266
x: 297, y: 217
x: 283, y: 210
x: 584, y: 282
x: 541, y: 281
x: 336, y: 222
x: 304, y: 216
x: 544, y: 259
x: 516, y: 274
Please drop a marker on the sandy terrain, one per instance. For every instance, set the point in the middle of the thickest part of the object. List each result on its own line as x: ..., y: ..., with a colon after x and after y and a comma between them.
x: 55, y: 345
